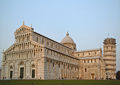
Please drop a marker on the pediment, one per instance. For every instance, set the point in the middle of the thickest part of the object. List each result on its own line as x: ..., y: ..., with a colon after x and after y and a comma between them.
x: 23, y: 29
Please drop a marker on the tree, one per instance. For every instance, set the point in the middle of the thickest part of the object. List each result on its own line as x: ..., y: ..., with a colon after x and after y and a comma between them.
x: 118, y: 75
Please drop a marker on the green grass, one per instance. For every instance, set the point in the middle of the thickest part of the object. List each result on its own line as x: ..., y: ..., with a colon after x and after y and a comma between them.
x: 59, y: 82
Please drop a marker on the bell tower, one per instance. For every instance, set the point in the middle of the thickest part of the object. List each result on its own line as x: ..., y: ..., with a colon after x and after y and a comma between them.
x: 109, y: 54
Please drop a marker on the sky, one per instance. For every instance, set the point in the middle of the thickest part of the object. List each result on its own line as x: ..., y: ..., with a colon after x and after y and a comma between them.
x: 88, y: 22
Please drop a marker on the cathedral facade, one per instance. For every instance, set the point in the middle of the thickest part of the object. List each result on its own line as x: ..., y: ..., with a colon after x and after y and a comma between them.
x: 34, y: 56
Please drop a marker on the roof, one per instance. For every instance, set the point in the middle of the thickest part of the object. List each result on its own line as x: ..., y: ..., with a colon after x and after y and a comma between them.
x: 52, y: 40
x: 67, y: 39
x: 109, y: 41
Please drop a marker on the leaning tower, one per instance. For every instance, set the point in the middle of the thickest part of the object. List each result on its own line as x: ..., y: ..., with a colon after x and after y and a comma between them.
x: 109, y: 53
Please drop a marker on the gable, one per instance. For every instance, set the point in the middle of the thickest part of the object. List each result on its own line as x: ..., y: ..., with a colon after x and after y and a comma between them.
x: 23, y: 29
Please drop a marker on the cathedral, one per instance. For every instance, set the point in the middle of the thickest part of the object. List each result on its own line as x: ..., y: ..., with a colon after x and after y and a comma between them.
x: 34, y: 56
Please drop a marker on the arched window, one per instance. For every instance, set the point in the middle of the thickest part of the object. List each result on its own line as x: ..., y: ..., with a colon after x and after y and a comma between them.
x: 91, y: 60
x: 59, y: 65
x: 53, y: 64
x: 34, y: 53
x: 27, y: 37
x: 42, y: 41
x: 85, y: 70
x: 11, y: 72
x: 33, y: 70
x: 36, y: 39
x: 89, y: 53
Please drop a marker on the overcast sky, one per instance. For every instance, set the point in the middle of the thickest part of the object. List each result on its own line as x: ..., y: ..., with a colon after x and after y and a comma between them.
x: 88, y: 21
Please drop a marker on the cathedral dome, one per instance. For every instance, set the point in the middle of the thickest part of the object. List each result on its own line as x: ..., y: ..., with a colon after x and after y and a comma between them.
x: 67, y: 39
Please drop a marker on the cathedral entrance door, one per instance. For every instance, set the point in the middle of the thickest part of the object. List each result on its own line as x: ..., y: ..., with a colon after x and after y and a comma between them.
x: 11, y: 74
x: 21, y: 72
x: 93, y: 76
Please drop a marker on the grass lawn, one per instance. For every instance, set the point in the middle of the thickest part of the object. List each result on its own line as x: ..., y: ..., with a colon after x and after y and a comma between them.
x: 59, y: 82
